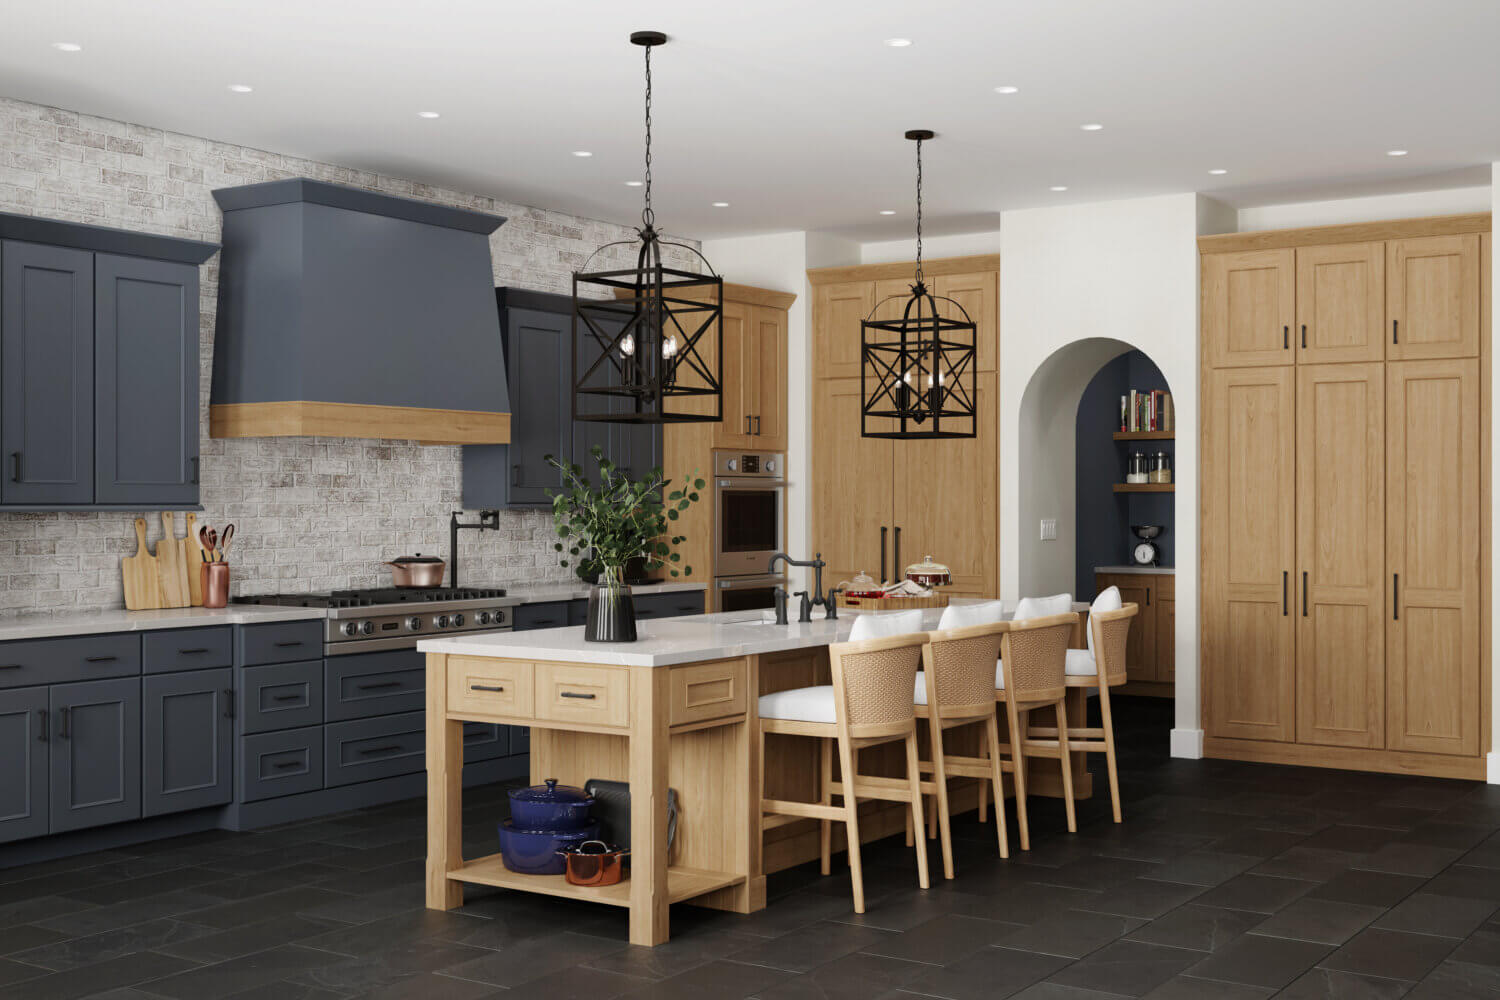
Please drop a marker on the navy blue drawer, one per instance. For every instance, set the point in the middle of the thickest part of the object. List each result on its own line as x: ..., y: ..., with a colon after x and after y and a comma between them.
x: 77, y: 658
x: 360, y: 685
x: 485, y: 741
x: 366, y: 749
x: 281, y: 696
x: 548, y: 614
x: 284, y: 763
x: 673, y: 605
x: 282, y: 642
x: 187, y: 649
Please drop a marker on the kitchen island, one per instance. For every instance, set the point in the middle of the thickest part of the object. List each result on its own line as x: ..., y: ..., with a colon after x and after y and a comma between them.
x: 675, y: 709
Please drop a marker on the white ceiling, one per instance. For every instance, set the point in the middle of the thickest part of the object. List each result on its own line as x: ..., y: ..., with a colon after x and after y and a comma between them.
x: 793, y: 111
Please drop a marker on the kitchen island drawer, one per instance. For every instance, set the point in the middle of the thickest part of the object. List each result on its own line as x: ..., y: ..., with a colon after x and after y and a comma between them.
x: 489, y: 687
x: 706, y: 691
x: 26, y: 662
x: 281, y: 642
x: 281, y: 696
x: 485, y: 741
x: 573, y: 692
x: 284, y: 763
x: 187, y: 649
x: 366, y: 749
x: 361, y: 685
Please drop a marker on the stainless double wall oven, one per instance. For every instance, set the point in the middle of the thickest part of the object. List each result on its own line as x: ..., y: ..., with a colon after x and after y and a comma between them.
x: 749, y: 526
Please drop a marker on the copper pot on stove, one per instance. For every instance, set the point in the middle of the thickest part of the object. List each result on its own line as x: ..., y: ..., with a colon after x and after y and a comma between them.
x: 417, y: 571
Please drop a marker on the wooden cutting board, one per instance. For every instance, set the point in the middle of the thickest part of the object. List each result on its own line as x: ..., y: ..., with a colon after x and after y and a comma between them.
x: 142, y: 585
x: 193, y: 553
x: 171, y: 566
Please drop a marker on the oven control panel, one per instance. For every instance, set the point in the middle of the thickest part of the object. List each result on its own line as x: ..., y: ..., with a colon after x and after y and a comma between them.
x: 755, y: 464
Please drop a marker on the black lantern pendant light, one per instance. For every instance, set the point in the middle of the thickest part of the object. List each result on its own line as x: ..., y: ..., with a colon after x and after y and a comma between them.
x: 917, y: 370
x: 648, y: 351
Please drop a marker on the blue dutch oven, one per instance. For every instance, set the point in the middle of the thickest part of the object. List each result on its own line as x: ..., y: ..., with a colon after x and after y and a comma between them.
x: 550, y: 807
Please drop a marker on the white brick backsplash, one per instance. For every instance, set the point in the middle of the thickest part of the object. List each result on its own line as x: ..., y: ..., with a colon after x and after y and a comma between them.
x: 310, y: 514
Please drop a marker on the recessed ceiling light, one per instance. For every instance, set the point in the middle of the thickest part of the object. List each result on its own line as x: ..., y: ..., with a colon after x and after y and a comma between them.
x: 67, y: 46
x: 721, y: 204
x: 887, y: 211
x: 1058, y: 187
x: 582, y: 153
x: 1091, y: 127
x: 1007, y: 90
x: 634, y: 184
x: 241, y: 88
x: 1216, y: 171
x: 1395, y: 152
x: 898, y: 43
x: 428, y: 114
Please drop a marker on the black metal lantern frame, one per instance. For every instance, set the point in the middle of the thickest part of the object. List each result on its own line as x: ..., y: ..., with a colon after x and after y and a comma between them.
x: 917, y: 372
x: 649, y: 348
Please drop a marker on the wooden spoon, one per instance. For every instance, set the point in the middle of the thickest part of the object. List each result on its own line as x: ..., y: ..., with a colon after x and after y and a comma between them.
x: 224, y: 549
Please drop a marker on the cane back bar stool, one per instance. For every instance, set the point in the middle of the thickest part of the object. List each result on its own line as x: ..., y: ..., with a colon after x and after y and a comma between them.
x: 868, y: 703
x: 1108, y: 632
x: 957, y: 688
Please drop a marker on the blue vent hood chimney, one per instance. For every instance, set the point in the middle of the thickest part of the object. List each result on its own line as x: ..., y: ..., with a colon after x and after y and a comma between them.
x: 345, y: 313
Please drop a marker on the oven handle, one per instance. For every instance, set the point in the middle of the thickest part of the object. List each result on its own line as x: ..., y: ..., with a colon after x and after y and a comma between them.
x: 749, y: 582
x: 748, y: 483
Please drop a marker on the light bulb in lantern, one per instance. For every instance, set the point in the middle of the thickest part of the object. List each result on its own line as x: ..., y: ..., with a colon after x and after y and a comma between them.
x: 669, y: 347
x: 627, y: 345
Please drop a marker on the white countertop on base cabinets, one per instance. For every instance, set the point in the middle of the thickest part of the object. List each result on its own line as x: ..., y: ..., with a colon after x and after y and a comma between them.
x: 43, y: 625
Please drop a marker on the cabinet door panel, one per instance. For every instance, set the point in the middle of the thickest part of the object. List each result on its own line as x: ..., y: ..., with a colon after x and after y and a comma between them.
x: 1166, y: 636
x: 1140, y: 645
x: 1249, y: 547
x: 187, y: 723
x: 1341, y: 555
x: 853, y: 486
x: 768, y: 355
x: 979, y: 295
x: 23, y: 748
x: 945, y: 494
x: 95, y: 761
x: 46, y: 374
x: 1432, y: 553
x: 1249, y: 305
x: 838, y: 310
x: 538, y: 366
x: 738, y: 427
x: 1341, y: 303
x: 1432, y: 297
x: 146, y: 365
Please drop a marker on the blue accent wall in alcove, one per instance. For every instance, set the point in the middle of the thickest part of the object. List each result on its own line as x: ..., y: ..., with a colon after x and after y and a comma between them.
x: 1104, y: 517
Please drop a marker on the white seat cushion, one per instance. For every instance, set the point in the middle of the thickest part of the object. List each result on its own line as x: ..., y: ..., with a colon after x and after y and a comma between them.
x: 1108, y: 600
x: 809, y: 704
x: 1079, y: 663
x: 883, y: 625
x: 1043, y: 607
x: 919, y: 690
x: 965, y: 615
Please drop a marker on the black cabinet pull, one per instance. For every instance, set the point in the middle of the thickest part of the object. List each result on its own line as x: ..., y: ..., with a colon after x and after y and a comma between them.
x: 368, y: 751
x: 1304, y: 336
x: 194, y: 460
x: 1283, y: 593
x: 67, y: 717
x: 486, y: 687
x: 289, y: 642
x: 757, y: 425
x: 287, y: 697
x: 1286, y: 337
x: 193, y: 651
x: 99, y: 659
x: 15, y: 466
x: 1395, y: 328
x: 515, y: 475
x: 1148, y: 597
x: 286, y: 764
x: 228, y: 703
x: 896, y: 552
x: 1396, y: 597
x: 10, y: 666
x: 1304, y: 593
x: 883, y: 530
x: 381, y: 686
x: 578, y: 694
x: 41, y: 725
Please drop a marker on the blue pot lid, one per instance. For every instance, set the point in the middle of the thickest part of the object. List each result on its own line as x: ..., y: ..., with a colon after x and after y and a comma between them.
x: 550, y: 792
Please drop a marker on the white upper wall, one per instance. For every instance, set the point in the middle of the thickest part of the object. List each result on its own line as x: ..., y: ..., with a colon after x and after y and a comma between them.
x: 933, y: 247
x: 1454, y: 201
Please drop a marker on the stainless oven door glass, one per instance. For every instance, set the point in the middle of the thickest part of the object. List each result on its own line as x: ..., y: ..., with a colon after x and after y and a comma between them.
x: 748, y: 526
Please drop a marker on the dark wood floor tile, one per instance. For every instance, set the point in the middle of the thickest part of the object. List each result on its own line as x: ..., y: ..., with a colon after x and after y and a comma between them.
x: 1324, y: 921
x: 1199, y: 928
x: 1128, y: 967
x: 1256, y: 960
x: 1368, y: 888
x: 988, y: 974
x: 1429, y: 913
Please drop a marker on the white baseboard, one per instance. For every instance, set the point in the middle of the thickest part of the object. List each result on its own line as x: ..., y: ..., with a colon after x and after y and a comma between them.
x: 1188, y: 744
x: 1492, y: 767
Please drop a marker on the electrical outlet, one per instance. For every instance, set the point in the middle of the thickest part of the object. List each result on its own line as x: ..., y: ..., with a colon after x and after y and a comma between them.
x: 1049, y: 529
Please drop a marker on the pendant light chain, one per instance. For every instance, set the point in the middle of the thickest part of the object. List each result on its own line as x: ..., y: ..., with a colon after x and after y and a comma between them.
x: 648, y: 217
x: 919, y: 211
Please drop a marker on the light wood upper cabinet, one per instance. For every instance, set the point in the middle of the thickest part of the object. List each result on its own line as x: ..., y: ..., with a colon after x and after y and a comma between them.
x: 838, y: 310
x: 768, y: 356
x: 1249, y: 549
x: 1432, y: 553
x: 1249, y: 306
x: 738, y: 389
x: 853, y: 486
x: 1432, y: 297
x: 1341, y: 555
x: 979, y: 295
x: 1340, y: 303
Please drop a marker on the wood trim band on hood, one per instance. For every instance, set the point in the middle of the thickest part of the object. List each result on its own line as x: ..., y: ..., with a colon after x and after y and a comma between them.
x: 308, y: 418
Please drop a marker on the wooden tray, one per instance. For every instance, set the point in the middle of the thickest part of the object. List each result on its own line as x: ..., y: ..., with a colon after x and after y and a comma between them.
x: 893, y: 603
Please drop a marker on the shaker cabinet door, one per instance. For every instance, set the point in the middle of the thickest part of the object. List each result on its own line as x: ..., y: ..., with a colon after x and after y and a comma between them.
x: 853, y: 487
x: 1249, y: 306
x: 1340, y: 303
x: 46, y: 374
x: 537, y: 365
x: 187, y: 720
x: 1432, y: 297
x: 23, y: 748
x: 95, y: 761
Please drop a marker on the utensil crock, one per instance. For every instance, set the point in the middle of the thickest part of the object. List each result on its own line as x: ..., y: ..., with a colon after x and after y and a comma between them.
x: 214, y: 578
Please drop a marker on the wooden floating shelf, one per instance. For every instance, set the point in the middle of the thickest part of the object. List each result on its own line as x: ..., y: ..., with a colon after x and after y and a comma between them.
x: 1145, y: 487
x: 682, y: 883
x: 1145, y: 435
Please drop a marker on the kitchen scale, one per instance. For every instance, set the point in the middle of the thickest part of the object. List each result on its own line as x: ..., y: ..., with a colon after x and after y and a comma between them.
x: 1145, y: 553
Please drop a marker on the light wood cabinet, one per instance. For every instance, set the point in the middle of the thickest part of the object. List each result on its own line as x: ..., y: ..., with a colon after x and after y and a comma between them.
x: 978, y: 293
x: 1432, y: 297
x: 1249, y: 306
x: 755, y: 378
x: 853, y: 486
x: 1341, y: 555
x: 1340, y: 303
x: 1152, y: 645
x: 1166, y: 630
x: 838, y: 310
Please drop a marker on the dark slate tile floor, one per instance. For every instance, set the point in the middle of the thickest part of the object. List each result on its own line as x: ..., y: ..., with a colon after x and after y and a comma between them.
x: 1226, y: 881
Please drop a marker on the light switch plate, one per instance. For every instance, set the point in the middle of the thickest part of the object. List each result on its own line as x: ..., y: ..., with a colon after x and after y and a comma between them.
x: 1049, y: 529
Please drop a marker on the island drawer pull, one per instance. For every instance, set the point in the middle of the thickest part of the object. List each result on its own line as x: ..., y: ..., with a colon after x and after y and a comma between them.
x: 486, y: 687
x: 379, y: 686
x: 383, y: 749
x: 99, y: 659
x: 577, y: 694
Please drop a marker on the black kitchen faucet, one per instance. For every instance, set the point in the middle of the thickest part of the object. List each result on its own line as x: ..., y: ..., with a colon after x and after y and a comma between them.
x: 489, y: 520
x: 804, y: 614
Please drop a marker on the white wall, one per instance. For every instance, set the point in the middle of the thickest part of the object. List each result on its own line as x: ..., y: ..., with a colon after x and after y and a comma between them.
x: 933, y: 247
x: 1117, y: 271
x: 1455, y: 201
x: 1494, y: 758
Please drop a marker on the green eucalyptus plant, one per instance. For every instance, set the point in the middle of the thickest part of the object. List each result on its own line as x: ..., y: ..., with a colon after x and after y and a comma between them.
x: 602, y: 527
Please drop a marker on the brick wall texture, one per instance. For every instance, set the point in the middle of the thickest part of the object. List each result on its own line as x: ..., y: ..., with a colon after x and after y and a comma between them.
x: 311, y: 513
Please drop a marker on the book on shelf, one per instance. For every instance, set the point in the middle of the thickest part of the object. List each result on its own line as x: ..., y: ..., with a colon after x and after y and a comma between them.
x: 1147, y: 411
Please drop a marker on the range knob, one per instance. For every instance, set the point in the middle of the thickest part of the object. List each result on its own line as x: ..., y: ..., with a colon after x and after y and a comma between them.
x: 349, y: 628
x: 366, y: 628
x: 441, y: 621
x: 484, y: 617
x: 458, y: 619
x: 414, y: 623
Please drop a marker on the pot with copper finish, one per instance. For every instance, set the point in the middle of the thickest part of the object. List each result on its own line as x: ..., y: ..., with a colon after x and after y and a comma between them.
x: 417, y: 571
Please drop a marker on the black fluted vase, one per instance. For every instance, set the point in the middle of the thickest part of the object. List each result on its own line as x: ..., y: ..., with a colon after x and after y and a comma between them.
x: 611, y: 616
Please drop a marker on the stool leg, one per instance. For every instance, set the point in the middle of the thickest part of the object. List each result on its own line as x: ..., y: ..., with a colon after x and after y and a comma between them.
x: 915, y: 780
x: 940, y: 778
x: 851, y: 825
x: 1018, y: 772
x: 992, y: 732
x: 1065, y: 758
x: 1109, y: 746
x: 825, y: 780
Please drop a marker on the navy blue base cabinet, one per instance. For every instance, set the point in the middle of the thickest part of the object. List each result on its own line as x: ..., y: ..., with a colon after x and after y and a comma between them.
x: 95, y: 762
x: 187, y: 753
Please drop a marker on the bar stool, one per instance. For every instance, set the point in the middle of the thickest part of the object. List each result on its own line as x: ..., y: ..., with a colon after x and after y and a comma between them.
x: 1032, y: 674
x: 869, y: 703
x: 957, y: 688
x: 1102, y: 666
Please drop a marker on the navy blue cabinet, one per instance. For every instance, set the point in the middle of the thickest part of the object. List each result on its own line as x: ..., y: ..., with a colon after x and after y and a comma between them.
x: 187, y: 740
x: 95, y: 760
x: 46, y: 374
x: 23, y: 748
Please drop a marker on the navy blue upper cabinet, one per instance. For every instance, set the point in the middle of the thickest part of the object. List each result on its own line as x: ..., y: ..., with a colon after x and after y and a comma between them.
x: 146, y: 350
x: 46, y: 374
x: 98, y: 366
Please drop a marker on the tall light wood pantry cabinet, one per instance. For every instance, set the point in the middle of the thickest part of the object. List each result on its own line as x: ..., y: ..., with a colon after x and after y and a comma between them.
x: 1345, y: 550
x: 879, y: 505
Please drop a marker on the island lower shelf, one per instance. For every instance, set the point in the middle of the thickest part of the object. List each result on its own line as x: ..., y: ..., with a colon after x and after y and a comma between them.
x: 682, y: 883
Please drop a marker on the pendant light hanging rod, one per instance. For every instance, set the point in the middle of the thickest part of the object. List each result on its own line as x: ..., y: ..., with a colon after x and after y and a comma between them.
x: 921, y: 135
x: 647, y: 39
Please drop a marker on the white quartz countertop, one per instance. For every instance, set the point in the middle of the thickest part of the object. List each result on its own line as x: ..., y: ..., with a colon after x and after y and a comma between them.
x: 1138, y: 570
x: 537, y: 593
x: 664, y: 642
x: 41, y: 626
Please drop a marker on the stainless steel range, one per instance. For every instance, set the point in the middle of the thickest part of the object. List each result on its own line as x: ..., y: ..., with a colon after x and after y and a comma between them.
x: 362, y: 621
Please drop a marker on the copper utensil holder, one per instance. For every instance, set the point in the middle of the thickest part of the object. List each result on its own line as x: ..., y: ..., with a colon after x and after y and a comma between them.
x: 215, y: 579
